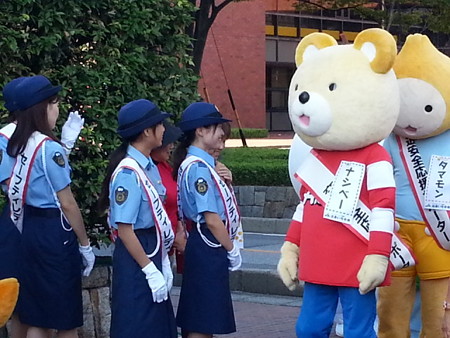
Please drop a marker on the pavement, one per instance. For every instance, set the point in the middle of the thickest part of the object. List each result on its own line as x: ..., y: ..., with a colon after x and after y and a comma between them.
x: 274, y: 140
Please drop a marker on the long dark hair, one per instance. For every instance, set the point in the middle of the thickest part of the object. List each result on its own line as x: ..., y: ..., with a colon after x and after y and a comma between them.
x: 28, y: 121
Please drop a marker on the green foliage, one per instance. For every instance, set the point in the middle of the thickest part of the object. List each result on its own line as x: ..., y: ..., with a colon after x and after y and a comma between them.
x: 104, y: 53
x: 249, y: 133
x: 258, y: 166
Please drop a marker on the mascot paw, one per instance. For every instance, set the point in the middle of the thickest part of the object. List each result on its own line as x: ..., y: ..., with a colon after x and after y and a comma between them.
x: 288, y: 265
x: 372, y: 272
x: 9, y: 291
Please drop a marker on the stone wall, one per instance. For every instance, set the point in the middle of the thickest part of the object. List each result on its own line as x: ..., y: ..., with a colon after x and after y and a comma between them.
x: 267, y: 202
x: 96, y: 303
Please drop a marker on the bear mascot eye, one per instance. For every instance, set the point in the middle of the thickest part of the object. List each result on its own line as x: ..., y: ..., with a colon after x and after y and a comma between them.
x: 428, y: 108
x: 332, y: 87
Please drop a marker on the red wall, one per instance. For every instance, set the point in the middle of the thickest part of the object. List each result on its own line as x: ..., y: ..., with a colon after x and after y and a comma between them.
x: 239, y: 34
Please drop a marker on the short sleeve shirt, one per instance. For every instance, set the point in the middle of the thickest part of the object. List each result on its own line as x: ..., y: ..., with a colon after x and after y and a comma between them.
x: 50, y: 173
x: 198, y: 191
x: 128, y: 200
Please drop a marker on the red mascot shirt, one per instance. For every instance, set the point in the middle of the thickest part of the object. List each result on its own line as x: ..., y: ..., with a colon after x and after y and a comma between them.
x: 330, y: 253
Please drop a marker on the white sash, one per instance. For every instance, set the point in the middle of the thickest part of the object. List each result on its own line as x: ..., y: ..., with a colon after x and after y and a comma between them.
x: 17, y: 189
x: 233, y: 219
x: 162, y: 221
x: 437, y: 220
x: 8, y: 130
x: 319, y: 179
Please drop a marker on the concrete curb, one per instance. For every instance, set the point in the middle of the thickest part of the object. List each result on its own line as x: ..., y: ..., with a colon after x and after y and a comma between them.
x: 259, y: 281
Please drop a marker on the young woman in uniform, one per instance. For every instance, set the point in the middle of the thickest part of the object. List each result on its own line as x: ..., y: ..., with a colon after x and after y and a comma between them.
x: 44, y: 210
x: 142, y: 275
x: 205, y: 307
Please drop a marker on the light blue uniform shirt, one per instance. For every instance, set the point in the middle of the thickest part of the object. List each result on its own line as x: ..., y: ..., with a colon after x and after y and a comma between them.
x: 6, y: 163
x: 406, y: 206
x: 128, y: 200
x: 202, y: 193
x: 40, y: 194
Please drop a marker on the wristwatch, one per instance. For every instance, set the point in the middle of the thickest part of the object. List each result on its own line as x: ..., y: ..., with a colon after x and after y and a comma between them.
x: 446, y: 305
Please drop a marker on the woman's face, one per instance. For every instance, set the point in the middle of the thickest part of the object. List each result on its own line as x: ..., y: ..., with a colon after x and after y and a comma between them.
x: 159, y: 132
x: 162, y: 154
x: 213, y: 139
x: 52, y: 113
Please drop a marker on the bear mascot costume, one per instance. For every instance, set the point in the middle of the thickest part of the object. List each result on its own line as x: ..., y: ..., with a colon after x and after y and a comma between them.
x: 343, y: 100
x: 9, y: 291
x: 420, y: 151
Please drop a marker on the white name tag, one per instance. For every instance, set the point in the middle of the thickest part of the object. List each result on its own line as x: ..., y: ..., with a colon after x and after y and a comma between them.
x: 345, y: 192
x: 437, y: 192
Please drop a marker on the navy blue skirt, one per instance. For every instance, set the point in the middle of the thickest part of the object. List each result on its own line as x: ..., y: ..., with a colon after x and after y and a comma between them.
x: 205, y: 304
x: 50, y: 284
x: 9, y: 246
x: 133, y: 312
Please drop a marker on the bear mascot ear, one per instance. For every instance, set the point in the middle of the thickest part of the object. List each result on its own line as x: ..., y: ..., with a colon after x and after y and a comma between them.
x: 311, y: 44
x: 9, y: 291
x: 379, y: 47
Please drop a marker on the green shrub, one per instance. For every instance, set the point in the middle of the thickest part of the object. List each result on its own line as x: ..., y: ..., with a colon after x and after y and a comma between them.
x: 249, y: 133
x: 258, y: 166
x: 104, y: 53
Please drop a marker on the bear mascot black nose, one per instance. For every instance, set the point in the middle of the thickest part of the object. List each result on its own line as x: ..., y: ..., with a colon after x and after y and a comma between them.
x: 304, y: 97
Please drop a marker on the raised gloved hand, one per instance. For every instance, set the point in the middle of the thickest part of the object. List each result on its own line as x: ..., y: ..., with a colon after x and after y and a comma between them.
x: 70, y: 130
x: 288, y: 265
x: 88, y: 258
x: 156, y: 282
x: 234, y: 258
x: 167, y: 272
x: 372, y: 272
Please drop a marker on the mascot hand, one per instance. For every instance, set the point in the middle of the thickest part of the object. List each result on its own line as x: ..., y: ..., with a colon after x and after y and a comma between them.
x: 372, y: 272
x: 9, y: 291
x: 288, y: 265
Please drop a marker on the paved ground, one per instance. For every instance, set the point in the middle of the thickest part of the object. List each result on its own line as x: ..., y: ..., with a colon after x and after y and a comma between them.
x: 262, y: 316
x: 279, y: 140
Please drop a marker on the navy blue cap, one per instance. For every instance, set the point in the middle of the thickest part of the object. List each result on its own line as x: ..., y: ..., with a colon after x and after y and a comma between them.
x: 9, y: 91
x: 138, y: 115
x: 171, y: 133
x: 32, y: 90
x: 200, y: 114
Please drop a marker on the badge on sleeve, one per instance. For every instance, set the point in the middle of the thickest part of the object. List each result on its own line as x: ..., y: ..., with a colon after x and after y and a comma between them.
x: 201, y: 186
x: 121, y: 195
x: 58, y: 158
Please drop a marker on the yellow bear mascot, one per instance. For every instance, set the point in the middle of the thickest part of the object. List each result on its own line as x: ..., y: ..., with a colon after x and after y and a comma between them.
x: 9, y: 291
x: 420, y: 151
x: 343, y: 100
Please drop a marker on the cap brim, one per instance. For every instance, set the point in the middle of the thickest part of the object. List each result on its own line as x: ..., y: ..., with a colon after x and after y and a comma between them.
x: 137, y: 129
x: 201, y: 122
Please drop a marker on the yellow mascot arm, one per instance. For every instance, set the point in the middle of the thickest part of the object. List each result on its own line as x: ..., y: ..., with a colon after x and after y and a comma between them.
x: 288, y: 265
x: 9, y: 291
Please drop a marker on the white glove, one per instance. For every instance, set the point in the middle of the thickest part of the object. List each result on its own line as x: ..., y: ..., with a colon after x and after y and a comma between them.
x: 234, y: 258
x: 167, y: 272
x: 427, y: 231
x: 156, y: 282
x: 288, y: 265
x: 88, y: 258
x: 70, y: 130
x: 372, y: 272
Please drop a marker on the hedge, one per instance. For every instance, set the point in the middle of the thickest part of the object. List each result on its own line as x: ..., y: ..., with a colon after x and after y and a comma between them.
x: 249, y: 133
x: 258, y: 166
x: 104, y: 53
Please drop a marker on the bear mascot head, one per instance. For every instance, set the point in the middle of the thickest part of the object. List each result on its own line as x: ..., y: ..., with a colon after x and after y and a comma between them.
x: 343, y: 100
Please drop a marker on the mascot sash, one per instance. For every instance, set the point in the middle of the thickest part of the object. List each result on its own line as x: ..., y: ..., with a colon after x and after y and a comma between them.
x: 314, y: 175
x: 437, y: 220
